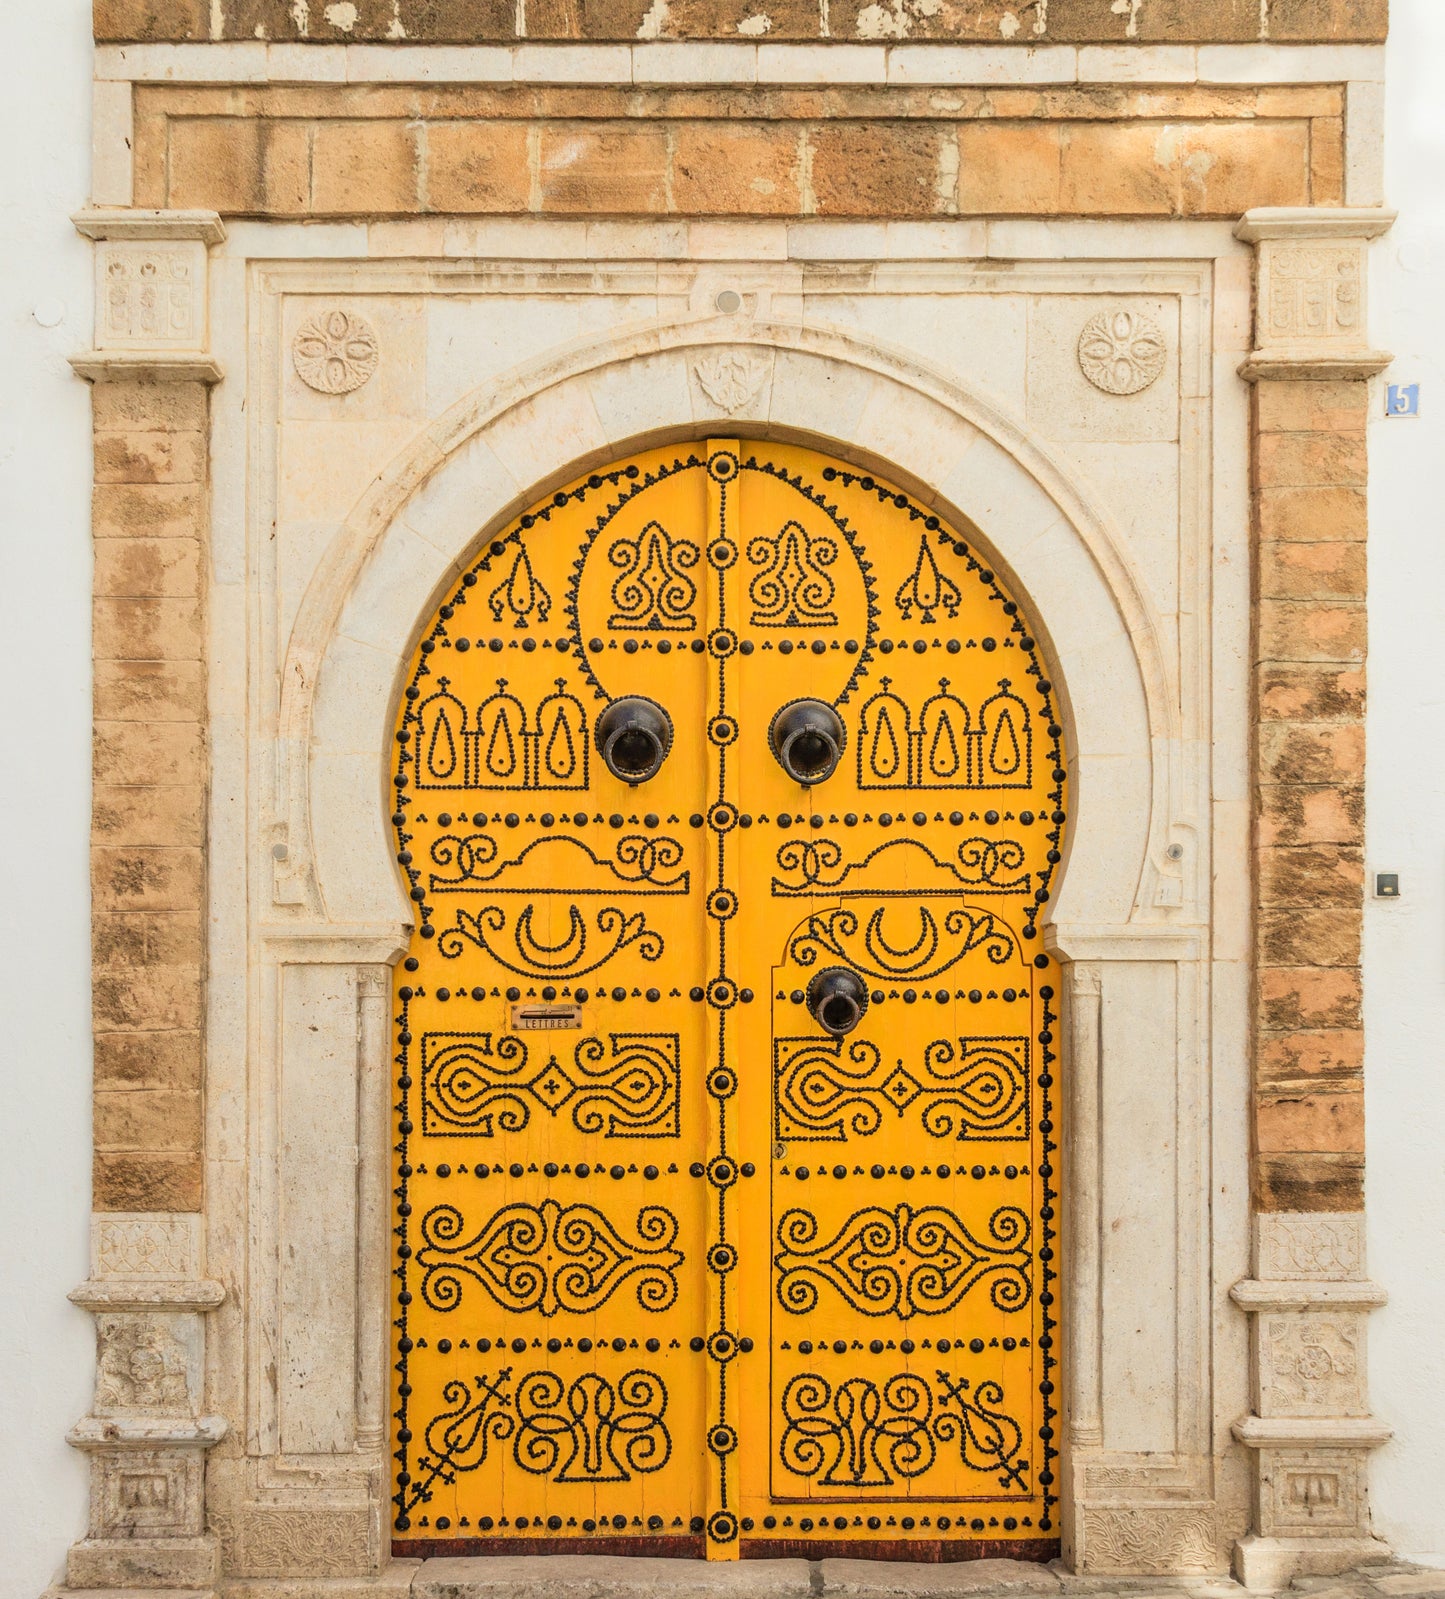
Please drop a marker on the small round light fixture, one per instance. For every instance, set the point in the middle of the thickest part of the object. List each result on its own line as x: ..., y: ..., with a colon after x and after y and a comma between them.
x: 728, y: 301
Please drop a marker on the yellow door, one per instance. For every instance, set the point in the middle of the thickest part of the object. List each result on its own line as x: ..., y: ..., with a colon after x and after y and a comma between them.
x: 730, y: 792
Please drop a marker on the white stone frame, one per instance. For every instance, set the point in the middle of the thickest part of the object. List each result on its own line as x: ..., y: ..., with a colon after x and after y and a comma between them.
x: 307, y: 910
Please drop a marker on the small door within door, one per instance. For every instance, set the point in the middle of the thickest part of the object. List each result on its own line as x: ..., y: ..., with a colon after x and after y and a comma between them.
x: 729, y: 789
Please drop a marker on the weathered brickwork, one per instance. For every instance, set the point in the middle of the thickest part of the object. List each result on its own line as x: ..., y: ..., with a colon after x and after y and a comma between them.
x: 1310, y: 654
x: 1018, y: 22
x: 861, y: 152
x: 148, y: 832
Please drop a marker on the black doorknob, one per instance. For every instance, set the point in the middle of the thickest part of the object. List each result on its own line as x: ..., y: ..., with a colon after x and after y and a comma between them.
x: 837, y: 999
x: 807, y: 738
x: 634, y: 736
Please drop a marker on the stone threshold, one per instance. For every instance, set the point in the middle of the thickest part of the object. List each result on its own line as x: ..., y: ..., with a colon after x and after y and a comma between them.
x: 614, y: 1577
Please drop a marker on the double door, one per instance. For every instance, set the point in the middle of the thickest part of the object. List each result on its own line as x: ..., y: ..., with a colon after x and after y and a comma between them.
x: 729, y: 791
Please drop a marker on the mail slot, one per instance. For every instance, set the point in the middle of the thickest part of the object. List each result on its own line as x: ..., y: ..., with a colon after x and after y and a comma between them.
x: 542, y: 1018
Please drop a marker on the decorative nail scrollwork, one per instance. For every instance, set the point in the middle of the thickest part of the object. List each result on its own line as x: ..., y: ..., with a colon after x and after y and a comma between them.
x: 903, y: 1262
x: 549, y: 1257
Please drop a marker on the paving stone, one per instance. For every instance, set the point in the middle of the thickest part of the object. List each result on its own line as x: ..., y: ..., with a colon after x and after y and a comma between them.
x: 910, y: 1580
x: 609, y: 1577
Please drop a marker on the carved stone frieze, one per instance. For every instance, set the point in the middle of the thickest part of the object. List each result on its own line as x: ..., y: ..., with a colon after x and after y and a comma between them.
x: 145, y: 1246
x: 291, y: 1541
x: 1297, y: 1248
x: 1148, y: 1539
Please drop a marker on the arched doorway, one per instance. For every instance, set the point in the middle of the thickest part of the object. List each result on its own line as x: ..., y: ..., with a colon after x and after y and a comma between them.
x: 729, y: 790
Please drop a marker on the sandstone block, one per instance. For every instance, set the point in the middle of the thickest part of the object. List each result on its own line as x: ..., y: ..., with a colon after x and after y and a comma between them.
x: 1321, y: 1184
x: 1226, y: 168
x: 365, y: 168
x: 1308, y: 460
x: 1310, y: 1054
x: 478, y: 167
x: 241, y: 166
x: 601, y: 169
x: 1313, y: 515
x: 179, y: 20
x: 150, y: 815
x: 139, y: 878
x: 147, y: 752
x: 1311, y: 630
x: 145, y: 567
x: 1328, y: 21
x: 878, y: 169
x: 1291, y: 813
x: 148, y: 1060
x: 1290, y: 571
x: 135, y: 406
x: 1311, y: 692
x: 156, y: 510
x: 1288, y: 937
x: 146, y: 998
x: 1119, y: 168
x: 1327, y: 161
x: 147, y: 630
x: 1008, y: 168
x: 150, y: 457
x: 746, y: 170
x: 153, y: 1180
x: 1313, y: 997
x: 146, y: 938
x: 1311, y: 407
x: 1311, y: 875
x: 1311, y: 1123
x: 1323, y: 753
x: 150, y: 691
x: 165, y: 1119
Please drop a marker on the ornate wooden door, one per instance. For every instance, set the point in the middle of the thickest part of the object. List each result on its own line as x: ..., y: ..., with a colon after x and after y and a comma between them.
x: 729, y: 790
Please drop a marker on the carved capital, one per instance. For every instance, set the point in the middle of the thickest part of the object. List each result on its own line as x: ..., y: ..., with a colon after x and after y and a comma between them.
x: 1310, y: 292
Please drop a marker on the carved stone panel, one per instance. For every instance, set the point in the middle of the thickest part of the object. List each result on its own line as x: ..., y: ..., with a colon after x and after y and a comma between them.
x: 147, y: 1363
x: 151, y: 1493
x: 1299, y: 1247
x: 150, y: 294
x: 1148, y: 1540
x: 145, y: 1245
x: 1312, y: 1364
x: 1307, y: 1492
x: 1311, y: 292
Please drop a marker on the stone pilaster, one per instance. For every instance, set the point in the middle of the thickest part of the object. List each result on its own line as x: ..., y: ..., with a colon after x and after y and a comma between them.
x: 148, y: 1432
x: 1308, y: 1299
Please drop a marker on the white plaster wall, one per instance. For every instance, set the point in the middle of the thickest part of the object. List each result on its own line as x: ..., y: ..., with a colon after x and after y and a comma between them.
x: 1405, y: 941
x: 46, y: 1347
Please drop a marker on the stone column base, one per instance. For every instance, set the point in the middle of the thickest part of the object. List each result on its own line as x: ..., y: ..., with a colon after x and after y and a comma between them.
x: 1268, y: 1565
x: 168, y: 1563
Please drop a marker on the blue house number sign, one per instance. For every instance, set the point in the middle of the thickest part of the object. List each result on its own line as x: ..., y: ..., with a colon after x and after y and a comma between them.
x: 1402, y: 399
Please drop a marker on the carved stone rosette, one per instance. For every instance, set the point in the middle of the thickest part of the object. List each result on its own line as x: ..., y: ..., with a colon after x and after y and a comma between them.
x: 1312, y: 1430
x: 146, y: 1433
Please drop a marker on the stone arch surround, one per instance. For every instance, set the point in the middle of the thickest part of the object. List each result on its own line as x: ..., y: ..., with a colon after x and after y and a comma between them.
x: 1137, y: 984
x: 411, y: 532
